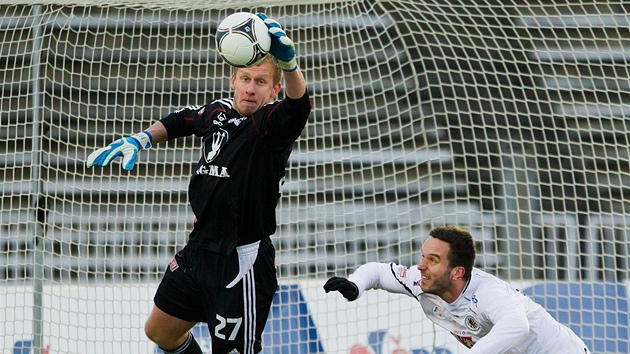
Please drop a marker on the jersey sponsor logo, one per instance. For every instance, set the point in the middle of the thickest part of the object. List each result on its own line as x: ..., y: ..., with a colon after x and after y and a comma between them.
x: 213, y: 170
x: 438, y: 312
x: 467, y: 341
x: 471, y: 323
x: 211, y: 149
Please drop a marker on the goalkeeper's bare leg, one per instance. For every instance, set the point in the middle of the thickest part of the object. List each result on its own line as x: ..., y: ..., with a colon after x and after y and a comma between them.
x: 170, y: 333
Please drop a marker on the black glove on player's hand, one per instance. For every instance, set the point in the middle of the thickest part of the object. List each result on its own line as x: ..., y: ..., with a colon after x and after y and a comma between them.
x: 347, y: 288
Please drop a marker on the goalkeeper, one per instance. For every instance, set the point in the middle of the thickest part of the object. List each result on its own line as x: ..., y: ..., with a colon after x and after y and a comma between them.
x: 483, y: 312
x: 225, y: 275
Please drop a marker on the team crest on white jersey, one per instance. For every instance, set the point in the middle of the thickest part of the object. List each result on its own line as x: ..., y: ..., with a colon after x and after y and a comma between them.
x: 471, y: 323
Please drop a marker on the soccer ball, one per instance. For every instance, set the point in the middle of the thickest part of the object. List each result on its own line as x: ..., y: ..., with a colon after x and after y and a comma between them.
x: 243, y: 39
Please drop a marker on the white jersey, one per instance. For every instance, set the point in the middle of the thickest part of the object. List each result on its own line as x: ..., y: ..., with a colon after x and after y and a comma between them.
x: 490, y: 316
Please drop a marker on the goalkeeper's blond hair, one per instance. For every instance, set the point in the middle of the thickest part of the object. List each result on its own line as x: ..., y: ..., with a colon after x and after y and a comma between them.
x: 277, y: 75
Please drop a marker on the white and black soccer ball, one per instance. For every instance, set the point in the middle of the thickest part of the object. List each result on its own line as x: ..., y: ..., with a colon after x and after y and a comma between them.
x: 243, y: 39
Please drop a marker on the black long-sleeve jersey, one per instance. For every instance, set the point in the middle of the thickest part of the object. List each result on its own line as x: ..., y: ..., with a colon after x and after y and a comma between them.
x: 235, y: 186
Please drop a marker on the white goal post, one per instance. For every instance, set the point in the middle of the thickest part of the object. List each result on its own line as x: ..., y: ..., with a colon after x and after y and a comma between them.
x: 508, y: 118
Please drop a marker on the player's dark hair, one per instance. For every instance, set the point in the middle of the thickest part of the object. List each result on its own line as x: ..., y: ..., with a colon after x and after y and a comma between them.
x: 463, y: 251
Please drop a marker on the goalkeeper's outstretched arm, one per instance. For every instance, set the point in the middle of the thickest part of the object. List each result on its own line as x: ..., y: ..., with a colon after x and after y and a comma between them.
x: 283, y: 51
x: 159, y: 133
x: 128, y: 147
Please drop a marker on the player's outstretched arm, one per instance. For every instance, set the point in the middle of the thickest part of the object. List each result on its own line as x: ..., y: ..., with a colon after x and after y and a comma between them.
x: 348, y: 289
x: 128, y: 147
x: 283, y: 51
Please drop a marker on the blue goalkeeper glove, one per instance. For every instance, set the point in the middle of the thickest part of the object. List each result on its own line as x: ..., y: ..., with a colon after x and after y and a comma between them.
x: 347, y: 288
x: 126, y: 147
x: 282, y: 48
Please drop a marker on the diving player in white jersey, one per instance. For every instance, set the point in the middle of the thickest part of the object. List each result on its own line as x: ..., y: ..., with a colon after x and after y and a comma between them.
x: 483, y: 312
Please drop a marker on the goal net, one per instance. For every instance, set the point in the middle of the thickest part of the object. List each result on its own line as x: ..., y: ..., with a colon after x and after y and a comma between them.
x: 508, y: 118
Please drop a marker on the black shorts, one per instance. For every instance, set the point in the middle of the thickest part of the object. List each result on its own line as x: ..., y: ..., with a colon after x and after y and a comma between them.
x: 195, y: 288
